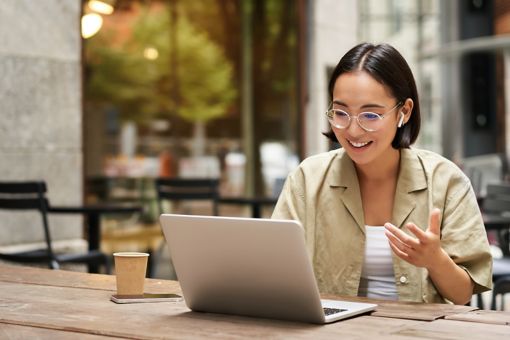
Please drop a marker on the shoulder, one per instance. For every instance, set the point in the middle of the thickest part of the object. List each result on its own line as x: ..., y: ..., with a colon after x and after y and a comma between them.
x: 313, y: 170
x: 431, y: 158
x: 434, y: 163
x: 439, y: 170
x: 320, y: 161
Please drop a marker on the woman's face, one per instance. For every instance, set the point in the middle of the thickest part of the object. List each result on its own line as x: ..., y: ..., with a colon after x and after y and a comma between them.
x: 357, y: 92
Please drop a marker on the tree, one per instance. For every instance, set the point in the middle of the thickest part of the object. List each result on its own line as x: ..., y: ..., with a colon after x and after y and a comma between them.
x: 198, y: 88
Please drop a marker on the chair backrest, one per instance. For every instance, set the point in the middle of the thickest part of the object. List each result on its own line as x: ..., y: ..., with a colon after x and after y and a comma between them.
x: 484, y: 170
x: 28, y: 196
x: 180, y: 189
x: 497, y: 199
x: 23, y: 196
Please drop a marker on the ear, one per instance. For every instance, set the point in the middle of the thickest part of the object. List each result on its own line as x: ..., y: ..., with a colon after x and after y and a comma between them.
x: 406, y: 110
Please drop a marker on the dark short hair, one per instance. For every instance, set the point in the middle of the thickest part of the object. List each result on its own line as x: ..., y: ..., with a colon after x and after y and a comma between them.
x: 386, y: 65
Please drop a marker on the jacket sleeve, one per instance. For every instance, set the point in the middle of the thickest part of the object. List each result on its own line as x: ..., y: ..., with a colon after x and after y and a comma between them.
x: 463, y: 234
x: 294, y: 205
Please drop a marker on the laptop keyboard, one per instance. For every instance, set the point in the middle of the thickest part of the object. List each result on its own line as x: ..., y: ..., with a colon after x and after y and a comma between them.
x: 329, y: 311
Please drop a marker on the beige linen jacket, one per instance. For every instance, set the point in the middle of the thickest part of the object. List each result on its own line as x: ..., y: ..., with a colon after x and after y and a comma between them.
x: 323, y: 194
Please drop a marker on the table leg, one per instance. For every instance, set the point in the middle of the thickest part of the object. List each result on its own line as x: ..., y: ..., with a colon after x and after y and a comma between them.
x: 255, y: 210
x: 94, y: 237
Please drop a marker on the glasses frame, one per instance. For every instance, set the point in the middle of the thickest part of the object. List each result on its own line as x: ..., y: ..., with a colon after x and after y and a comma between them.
x: 379, y: 115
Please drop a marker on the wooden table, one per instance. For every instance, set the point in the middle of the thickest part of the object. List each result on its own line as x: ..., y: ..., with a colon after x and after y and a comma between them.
x: 40, y: 303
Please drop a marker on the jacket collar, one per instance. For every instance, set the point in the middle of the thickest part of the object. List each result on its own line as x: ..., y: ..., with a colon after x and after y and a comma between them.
x: 411, y: 178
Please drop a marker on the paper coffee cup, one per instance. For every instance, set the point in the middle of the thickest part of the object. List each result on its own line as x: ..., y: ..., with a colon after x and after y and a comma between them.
x: 130, y: 269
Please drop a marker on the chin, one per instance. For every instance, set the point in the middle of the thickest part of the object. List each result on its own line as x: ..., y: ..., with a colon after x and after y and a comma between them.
x: 360, y: 159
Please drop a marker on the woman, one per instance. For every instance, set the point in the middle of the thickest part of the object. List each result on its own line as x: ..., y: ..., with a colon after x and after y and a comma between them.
x: 381, y: 219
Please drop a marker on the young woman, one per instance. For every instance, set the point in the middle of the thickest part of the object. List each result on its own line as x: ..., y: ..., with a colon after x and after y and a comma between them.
x: 382, y: 219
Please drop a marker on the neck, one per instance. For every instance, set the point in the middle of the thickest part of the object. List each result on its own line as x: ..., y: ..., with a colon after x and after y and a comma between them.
x: 383, y: 169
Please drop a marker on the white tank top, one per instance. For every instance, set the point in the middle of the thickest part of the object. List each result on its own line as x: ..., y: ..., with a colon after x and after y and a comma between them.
x: 377, y: 276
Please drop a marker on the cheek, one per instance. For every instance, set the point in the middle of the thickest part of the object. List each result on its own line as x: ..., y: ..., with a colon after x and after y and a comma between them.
x: 338, y: 134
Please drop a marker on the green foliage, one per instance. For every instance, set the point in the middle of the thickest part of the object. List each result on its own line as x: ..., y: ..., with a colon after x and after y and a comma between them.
x: 199, y: 89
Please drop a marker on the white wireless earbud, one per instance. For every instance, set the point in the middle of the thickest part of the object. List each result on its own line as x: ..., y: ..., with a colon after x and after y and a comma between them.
x: 401, y: 121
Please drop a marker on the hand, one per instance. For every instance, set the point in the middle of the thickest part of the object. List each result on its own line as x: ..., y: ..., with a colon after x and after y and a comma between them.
x: 424, y: 250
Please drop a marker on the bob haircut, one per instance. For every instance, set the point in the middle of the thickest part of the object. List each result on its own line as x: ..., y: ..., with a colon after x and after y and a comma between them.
x: 386, y: 65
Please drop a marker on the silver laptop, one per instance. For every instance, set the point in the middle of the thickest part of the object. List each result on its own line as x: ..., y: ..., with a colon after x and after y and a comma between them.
x: 247, y: 266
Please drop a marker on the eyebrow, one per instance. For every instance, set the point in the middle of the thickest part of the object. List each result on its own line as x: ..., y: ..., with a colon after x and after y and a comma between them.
x: 362, y: 106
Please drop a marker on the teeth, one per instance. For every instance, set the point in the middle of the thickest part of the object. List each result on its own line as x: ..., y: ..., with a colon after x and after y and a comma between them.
x: 358, y: 145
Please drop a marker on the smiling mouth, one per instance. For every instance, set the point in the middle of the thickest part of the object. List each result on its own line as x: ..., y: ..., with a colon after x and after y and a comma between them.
x: 358, y: 145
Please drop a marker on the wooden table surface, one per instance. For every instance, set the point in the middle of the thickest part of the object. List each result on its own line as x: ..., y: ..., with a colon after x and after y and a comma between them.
x: 45, y: 304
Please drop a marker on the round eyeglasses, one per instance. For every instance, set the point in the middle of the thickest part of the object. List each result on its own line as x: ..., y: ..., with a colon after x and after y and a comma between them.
x: 368, y: 121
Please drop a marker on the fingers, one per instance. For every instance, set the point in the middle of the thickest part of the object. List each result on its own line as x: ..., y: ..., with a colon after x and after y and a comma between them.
x: 400, y: 236
x: 397, y: 243
x: 398, y: 252
x: 418, y: 251
x: 420, y: 234
x: 435, y: 215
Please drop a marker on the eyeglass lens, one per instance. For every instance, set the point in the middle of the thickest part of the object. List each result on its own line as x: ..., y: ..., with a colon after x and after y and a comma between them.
x: 367, y: 120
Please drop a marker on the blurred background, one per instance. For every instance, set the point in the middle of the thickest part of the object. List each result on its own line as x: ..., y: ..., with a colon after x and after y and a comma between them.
x: 236, y: 89
x: 99, y: 98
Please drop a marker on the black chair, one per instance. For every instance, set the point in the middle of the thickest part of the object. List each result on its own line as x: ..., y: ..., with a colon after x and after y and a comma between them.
x: 190, y: 189
x: 497, y: 203
x: 31, y: 196
x: 183, y: 189
x: 501, y: 287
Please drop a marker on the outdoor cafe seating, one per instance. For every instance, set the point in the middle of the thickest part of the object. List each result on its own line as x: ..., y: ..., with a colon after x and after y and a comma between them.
x: 496, y: 212
x: 31, y: 197
x: 487, y: 176
x: 176, y: 191
x: 181, y: 189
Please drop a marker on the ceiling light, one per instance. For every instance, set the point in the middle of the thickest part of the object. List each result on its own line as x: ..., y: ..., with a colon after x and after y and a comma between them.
x: 100, y: 7
x: 90, y: 24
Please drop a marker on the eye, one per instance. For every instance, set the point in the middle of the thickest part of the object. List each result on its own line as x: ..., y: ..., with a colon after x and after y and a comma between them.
x: 340, y: 113
x: 370, y: 116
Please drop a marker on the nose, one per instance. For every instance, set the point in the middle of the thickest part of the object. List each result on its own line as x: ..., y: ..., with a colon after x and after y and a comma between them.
x: 354, y: 129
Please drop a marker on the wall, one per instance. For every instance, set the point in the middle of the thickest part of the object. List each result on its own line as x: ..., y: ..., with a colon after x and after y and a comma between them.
x: 332, y: 32
x: 40, y: 93
x: 412, y: 27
